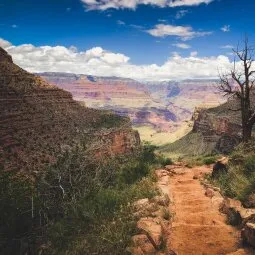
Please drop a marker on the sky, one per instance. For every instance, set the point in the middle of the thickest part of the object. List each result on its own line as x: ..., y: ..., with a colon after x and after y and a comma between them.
x: 140, y: 39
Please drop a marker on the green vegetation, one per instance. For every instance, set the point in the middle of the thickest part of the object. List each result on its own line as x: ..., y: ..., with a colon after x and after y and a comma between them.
x: 77, y: 205
x: 190, y: 145
x: 199, y: 160
x: 239, y: 182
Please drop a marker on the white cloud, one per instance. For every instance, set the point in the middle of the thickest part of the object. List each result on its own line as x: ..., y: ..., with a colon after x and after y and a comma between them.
x: 100, y: 62
x: 227, y: 47
x: 185, y: 33
x: 4, y: 44
x: 193, y: 53
x: 182, y: 45
x: 180, y: 14
x: 121, y: 23
x: 132, y: 4
x: 225, y: 28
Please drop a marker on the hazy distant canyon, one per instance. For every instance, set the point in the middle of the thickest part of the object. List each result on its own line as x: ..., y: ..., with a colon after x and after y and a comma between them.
x: 161, y: 111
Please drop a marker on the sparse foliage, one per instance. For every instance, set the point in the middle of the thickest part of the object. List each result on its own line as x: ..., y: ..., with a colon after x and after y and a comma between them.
x: 239, y: 84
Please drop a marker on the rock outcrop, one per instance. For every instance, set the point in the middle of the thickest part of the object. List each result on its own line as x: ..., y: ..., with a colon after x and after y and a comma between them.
x: 157, y: 105
x: 219, y: 126
x: 39, y: 121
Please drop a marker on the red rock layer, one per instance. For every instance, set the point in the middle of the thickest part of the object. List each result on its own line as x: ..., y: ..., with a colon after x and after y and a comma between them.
x: 39, y: 121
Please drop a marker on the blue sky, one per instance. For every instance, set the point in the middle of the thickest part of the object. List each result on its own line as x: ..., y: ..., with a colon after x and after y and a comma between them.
x: 148, y: 34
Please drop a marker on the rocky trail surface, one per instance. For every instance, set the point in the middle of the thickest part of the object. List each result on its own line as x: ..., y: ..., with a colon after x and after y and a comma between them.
x: 196, y: 225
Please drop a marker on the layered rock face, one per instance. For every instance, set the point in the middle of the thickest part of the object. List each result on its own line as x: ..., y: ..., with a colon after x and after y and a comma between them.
x: 162, y: 106
x: 219, y: 125
x: 38, y: 121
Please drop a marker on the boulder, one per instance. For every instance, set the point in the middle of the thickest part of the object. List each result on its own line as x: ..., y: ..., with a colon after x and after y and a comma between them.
x: 144, y: 243
x: 209, y: 192
x: 145, y: 208
x: 248, y: 233
x: 135, y: 251
x: 218, y: 169
x: 229, y: 203
x: 235, y: 211
x: 198, y: 176
x: 141, y: 203
x: 162, y: 200
x: 217, y: 200
x: 153, y: 229
x: 250, y: 201
x: 238, y: 252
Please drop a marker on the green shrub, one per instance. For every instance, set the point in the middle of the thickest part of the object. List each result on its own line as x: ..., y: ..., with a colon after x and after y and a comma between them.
x: 80, y: 206
x: 16, y: 208
x: 249, y: 165
x: 209, y: 160
x: 133, y: 171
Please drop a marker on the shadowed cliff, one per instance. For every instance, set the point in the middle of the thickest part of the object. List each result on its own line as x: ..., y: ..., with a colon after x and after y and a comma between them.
x: 39, y: 121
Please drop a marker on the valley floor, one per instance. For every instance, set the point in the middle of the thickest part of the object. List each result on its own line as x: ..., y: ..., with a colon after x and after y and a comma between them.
x: 160, y: 138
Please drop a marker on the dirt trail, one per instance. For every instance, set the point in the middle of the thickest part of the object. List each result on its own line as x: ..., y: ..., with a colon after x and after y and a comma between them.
x: 198, y: 228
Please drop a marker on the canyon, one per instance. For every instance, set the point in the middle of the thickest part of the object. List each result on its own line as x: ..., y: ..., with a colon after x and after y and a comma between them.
x: 160, y: 111
x: 39, y: 121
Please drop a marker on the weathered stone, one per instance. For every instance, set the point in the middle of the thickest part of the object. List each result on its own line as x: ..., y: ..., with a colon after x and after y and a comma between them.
x: 152, y: 228
x: 218, y: 169
x: 197, y: 176
x: 141, y: 203
x: 209, y: 192
x: 221, y: 132
x: 238, y: 252
x: 234, y: 208
x: 248, y: 233
x: 145, y: 208
x: 217, y: 200
x: 250, y: 201
x: 135, y: 251
x: 229, y: 203
x: 247, y: 214
x: 144, y: 243
x: 161, y: 200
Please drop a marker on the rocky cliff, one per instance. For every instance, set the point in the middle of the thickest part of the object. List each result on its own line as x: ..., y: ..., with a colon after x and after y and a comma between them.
x: 39, y: 121
x: 216, y: 129
x: 220, y: 126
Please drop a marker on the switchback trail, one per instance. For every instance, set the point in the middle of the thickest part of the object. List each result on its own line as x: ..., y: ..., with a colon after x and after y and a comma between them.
x: 198, y: 227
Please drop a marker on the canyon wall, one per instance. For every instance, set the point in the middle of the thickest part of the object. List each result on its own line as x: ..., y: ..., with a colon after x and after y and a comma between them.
x: 220, y: 126
x: 39, y: 121
x: 154, y: 108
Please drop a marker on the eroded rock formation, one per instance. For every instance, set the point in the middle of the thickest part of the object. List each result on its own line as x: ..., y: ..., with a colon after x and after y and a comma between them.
x: 220, y: 126
x: 39, y: 121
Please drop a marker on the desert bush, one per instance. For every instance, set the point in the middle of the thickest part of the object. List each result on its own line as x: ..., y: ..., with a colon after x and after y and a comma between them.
x: 249, y: 165
x: 239, y: 181
x: 80, y: 205
x: 16, y: 210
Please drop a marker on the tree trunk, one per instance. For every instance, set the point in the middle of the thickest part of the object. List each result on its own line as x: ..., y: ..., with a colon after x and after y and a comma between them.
x: 247, y: 133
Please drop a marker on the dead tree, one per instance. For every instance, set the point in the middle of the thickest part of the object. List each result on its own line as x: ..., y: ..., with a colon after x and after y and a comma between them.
x: 239, y: 83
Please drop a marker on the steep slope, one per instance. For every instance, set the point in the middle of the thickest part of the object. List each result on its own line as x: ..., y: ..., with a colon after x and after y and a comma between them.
x: 126, y: 97
x: 39, y: 121
x: 157, y: 109
x: 215, y: 129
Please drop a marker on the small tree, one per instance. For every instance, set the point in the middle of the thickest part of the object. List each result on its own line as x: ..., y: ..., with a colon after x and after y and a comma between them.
x: 239, y: 83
